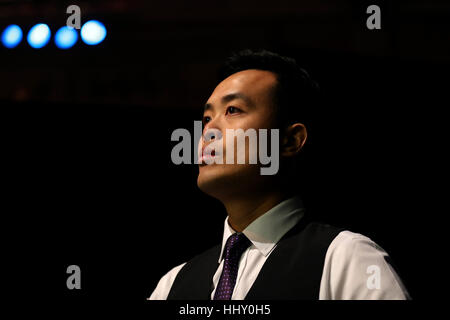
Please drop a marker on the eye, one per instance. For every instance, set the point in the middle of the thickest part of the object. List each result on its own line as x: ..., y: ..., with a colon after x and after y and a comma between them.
x: 232, y: 110
x: 206, y: 119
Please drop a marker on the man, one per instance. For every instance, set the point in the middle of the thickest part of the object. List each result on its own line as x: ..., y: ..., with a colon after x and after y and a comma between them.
x: 271, y: 249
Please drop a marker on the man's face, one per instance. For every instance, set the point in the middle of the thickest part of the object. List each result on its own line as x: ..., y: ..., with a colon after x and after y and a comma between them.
x: 244, y: 100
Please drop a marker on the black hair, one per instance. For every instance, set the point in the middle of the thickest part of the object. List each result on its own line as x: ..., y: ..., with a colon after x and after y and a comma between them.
x: 296, y: 93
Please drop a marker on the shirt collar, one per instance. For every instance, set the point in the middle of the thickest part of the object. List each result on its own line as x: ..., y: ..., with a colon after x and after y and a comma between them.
x: 267, y: 229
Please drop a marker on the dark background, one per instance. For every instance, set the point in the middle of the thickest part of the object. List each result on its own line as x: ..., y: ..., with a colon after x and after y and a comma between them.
x: 88, y: 178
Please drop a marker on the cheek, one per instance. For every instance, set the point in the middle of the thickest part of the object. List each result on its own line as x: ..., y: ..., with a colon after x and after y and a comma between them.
x: 262, y: 119
x: 255, y: 121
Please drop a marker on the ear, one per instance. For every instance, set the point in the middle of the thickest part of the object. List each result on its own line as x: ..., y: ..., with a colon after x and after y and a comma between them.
x: 293, y: 140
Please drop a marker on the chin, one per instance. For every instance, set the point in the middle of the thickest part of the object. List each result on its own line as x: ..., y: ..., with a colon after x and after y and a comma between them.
x: 220, y: 181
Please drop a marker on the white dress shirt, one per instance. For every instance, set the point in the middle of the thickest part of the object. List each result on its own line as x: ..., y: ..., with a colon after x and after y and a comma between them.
x: 355, y: 267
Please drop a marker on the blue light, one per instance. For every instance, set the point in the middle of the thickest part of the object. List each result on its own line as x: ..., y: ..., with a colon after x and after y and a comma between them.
x: 66, y: 37
x: 93, y: 32
x: 39, y: 35
x: 11, y: 36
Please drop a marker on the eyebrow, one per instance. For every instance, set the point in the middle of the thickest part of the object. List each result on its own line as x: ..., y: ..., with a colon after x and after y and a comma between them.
x: 230, y: 97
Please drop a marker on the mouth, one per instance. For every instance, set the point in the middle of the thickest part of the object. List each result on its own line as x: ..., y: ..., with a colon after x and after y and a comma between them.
x: 205, y: 157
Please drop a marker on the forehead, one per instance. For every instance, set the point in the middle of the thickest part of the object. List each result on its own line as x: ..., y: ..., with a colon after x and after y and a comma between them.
x: 258, y: 85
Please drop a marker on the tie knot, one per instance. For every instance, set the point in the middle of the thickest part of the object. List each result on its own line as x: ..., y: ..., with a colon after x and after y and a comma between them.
x: 236, y: 245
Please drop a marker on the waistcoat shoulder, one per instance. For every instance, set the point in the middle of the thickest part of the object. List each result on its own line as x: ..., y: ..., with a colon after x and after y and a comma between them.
x: 194, y: 280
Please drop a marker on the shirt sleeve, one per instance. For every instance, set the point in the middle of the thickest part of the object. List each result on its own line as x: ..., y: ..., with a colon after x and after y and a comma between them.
x: 165, y: 284
x: 356, y: 268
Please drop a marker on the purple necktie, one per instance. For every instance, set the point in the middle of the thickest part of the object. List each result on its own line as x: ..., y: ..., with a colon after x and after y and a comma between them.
x: 236, y: 245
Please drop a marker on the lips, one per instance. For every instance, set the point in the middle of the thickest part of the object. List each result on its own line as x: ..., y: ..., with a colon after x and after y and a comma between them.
x: 208, y: 157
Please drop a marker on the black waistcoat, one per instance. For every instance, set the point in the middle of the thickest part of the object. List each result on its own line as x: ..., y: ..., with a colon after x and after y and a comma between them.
x: 291, y: 272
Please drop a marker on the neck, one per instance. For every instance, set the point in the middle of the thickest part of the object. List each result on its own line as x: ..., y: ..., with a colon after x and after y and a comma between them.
x: 244, y: 210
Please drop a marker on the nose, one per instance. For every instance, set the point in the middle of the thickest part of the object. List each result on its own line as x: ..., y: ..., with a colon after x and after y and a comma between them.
x: 212, y: 131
